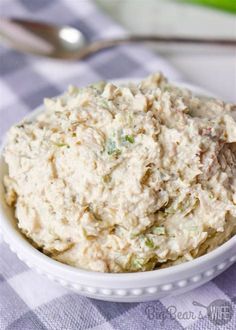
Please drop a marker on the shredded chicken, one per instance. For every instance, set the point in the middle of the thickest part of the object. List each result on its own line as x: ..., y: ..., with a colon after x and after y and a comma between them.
x: 125, y: 178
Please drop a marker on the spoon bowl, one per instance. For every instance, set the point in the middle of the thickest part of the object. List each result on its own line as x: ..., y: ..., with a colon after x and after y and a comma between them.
x: 42, y: 38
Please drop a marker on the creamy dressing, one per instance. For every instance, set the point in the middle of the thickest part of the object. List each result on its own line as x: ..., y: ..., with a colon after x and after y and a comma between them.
x: 120, y: 179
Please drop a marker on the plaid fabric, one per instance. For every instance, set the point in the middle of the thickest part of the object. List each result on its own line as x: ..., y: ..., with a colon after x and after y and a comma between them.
x: 27, y: 300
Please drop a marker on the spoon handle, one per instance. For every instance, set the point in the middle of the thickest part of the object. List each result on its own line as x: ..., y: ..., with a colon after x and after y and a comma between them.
x: 99, y: 45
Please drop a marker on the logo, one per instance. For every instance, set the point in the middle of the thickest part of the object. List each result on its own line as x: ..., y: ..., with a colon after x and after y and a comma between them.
x: 219, y: 312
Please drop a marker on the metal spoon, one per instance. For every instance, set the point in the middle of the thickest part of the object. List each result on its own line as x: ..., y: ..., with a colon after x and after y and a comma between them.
x: 66, y: 42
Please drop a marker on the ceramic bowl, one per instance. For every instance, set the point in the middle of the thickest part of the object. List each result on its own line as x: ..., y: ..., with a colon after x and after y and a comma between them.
x: 125, y: 287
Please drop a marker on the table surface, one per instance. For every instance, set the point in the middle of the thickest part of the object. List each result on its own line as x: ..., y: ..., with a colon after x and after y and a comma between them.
x: 27, y: 300
x: 209, y: 67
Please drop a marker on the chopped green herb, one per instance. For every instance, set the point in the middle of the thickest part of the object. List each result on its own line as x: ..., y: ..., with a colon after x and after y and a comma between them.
x: 149, y: 243
x: 60, y: 145
x: 104, y: 104
x: 144, y: 264
x: 125, y: 139
x: 133, y: 235
x: 159, y: 230
x: 85, y: 234
x: 111, y: 148
x: 138, y: 263
x: 129, y: 138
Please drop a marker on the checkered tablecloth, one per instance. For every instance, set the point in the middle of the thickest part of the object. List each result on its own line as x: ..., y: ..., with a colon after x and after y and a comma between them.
x: 29, y: 301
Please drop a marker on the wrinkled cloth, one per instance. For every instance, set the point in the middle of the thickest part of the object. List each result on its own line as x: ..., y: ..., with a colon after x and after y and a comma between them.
x: 31, y: 301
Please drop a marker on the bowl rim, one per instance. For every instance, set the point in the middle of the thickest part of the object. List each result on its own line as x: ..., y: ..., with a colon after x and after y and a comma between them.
x: 11, y: 234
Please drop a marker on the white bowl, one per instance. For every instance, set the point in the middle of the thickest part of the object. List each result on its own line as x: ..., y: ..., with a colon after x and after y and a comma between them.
x: 126, y: 287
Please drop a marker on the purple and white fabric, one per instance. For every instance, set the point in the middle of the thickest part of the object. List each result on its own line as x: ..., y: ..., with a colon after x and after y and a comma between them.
x: 30, y: 301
